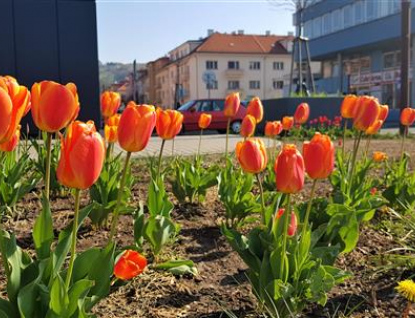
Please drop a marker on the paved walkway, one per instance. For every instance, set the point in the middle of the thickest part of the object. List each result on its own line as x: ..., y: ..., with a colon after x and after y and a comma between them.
x: 187, y: 145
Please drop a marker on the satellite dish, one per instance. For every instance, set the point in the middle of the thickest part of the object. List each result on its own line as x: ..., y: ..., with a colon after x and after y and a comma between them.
x: 209, y: 77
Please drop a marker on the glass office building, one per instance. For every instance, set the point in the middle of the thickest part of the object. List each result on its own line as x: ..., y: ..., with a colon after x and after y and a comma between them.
x: 358, y: 44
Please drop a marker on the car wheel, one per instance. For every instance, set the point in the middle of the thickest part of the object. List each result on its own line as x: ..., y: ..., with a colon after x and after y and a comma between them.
x: 236, y: 127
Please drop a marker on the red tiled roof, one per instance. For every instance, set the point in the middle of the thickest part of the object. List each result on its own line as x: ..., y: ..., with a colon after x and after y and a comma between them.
x: 241, y: 43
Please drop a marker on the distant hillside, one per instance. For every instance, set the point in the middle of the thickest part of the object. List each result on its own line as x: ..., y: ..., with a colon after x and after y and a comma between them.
x: 114, y: 72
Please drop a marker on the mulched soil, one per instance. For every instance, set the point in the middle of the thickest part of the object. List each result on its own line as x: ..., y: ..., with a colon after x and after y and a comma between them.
x: 222, y: 285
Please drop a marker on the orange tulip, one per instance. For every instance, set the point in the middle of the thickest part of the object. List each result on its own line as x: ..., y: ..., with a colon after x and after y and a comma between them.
x: 82, y: 156
x: 407, y: 116
x: 289, y: 170
x: 54, y: 106
x: 110, y: 102
x: 302, y: 113
x: 232, y: 103
x: 256, y: 109
x: 287, y: 122
x: 10, y: 145
x: 319, y: 156
x: 379, y: 156
x: 14, y: 104
x: 169, y: 123
x: 367, y: 113
x: 136, y: 126
x: 384, y: 112
x: 248, y: 126
x: 129, y: 265
x: 348, y: 106
x: 204, y: 120
x: 273, y: 128
x: 374, y: 129
x: 252, y: 155
x: 111, y: 128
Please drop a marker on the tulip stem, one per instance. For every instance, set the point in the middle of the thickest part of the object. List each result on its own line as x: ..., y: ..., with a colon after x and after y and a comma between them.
x: 73, y: 239
x: 355, y: 150
x: 310, y: 202
x: 172, y: 148
x: 109, y: 151
x: 48, y: 163
x: 119, y: 198
x: 405, y: 132
x: 161, y: 153
x: 227, y: 136
x: 261, y: 191
x: 200, y: 142
x: 274, y: 148
x: 286, y: 216
x: 344, y: 136
x: 369, y: 138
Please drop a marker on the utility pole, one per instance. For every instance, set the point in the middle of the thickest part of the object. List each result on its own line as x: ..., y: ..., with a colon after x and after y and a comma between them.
x: 405, y: 55
x: 134, y: 81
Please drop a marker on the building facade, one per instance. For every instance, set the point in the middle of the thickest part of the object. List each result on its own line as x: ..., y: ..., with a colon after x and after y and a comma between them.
x: 254, y: 65
x: 358, y: 44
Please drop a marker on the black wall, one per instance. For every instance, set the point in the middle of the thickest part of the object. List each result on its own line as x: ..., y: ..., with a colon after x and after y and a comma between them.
x: 52, y: 40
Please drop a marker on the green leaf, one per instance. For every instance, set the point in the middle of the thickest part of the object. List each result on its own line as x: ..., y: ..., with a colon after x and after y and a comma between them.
x: 178, y: 267
x: 158, y: 231
x: 77, y: 294
x: 43, y: 231
x: 59, y: 299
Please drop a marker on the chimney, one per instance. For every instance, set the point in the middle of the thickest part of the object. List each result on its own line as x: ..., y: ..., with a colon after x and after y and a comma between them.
x: 268, y: 32
x: 290, y: 33
x: 210, y: 32
x: 240, y: 32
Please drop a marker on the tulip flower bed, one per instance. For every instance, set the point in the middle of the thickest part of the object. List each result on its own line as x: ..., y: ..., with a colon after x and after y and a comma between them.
x: 307, y: 229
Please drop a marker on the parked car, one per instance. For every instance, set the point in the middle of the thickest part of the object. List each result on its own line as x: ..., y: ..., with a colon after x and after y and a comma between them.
x: 193, y: 108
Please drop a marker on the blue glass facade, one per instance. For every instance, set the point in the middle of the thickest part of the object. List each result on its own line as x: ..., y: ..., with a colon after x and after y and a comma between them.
x: 358, y: 43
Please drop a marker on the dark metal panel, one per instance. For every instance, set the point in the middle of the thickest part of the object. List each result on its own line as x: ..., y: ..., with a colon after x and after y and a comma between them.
x: 36, y: 41
x: 79, y: 53
x: 7, y: 60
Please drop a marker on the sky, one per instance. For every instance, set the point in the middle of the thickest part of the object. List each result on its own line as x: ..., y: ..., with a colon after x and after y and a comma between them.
x: 148, y: 29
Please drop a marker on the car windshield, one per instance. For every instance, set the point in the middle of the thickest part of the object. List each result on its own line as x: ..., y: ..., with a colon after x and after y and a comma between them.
x: 186, y: 105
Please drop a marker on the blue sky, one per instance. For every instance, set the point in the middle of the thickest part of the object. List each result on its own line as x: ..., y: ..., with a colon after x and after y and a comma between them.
x: 145, y: 29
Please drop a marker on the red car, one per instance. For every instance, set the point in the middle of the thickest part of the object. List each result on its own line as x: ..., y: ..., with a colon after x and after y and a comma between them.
x: 193, y: 108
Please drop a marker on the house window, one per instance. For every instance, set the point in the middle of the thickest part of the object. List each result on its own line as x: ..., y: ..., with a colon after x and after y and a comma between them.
x: 278, y: 84
x: 327, y: 23
x: 254, y: 85
x: 233, y: 65
x: 212, y: 85
x: 337, y: 20
x: 233, y: 84
x: 317, y: 27
x: 211, y: 65
x: 278, y: 66
x: 371, y: 9
x: 389, y: 60
x: 254, y: 65
x: 359, y: 12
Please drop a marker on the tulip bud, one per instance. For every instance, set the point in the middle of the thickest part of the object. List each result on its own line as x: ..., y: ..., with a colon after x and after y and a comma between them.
x: 319, y: 156
x: 136, y: 126
x: 204, y: 120
x: 248, y: 126
x: 302, y: 113
x: 14, y: 104
x: 129, y: 265
x: 111, y: 128
x: 232, y: 103
x: 379, y: 156
x: 292, y: 227
x: 367, y: 113
x: 256, y: 109
x: 252, y: 155
x: 348, y: 106
x: 407, y: 116
x: 110, y: 102
x: 54, y: 106
x: 10, y: 145
x: 169, y: 123
x: 287, y: 122
x: 82, y: 156
x: 289, y: 170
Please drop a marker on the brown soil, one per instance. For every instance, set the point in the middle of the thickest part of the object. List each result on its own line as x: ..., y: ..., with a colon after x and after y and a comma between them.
x: 222, y: 285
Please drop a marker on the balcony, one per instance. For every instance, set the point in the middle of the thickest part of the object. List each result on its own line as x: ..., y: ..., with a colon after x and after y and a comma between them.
x: 234, y: 73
